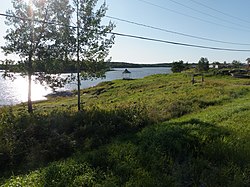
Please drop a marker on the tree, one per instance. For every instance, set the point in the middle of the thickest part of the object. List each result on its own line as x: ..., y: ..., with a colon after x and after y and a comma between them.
x: 203, y: 65
x: 93, y: 43
x: 40, y: 33
x: 56, y: 59
x: 248, y: 62
x: 236, y: 64
x: 178, y: 66
x: 33, y: 38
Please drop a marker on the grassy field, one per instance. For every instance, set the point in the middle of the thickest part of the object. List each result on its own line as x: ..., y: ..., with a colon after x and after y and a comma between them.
x: 156, y: 131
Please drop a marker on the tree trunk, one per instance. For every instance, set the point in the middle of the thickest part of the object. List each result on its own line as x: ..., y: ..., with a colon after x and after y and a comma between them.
x: 78, y: 61
x: 30, y: 109
x: 78, y: 92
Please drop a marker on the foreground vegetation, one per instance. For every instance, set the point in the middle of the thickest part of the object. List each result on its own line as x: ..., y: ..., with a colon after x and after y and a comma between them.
x: 156, y: 131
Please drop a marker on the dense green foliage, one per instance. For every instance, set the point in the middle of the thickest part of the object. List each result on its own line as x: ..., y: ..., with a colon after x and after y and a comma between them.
x: 178, y: 67
x: 32, y: 141
x: 203, y: 65
x: 47, y: 45
x: 236, y: 64
x: 156, y: 131
x: 32, y: 39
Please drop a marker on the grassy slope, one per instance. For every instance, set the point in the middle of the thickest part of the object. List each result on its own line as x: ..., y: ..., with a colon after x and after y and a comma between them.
x: 161, y: 94
x: 208, y: 146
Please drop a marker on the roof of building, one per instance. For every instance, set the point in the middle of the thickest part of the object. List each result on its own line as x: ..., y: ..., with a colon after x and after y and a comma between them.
x: 126, y: 71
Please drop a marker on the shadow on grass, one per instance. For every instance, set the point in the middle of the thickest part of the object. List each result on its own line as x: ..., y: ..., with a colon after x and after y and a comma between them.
x: 31, y: 141
x: 189, y: 153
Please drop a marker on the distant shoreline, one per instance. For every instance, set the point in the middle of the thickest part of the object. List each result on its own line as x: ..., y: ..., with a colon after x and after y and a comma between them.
x: 130, y: 65
x: 111, y: 65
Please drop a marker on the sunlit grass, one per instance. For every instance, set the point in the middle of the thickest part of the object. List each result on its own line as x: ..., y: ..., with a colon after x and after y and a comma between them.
x: 177, y: 134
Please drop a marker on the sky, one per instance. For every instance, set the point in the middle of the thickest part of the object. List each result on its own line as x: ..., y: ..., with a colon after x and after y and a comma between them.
x: 223, y: 20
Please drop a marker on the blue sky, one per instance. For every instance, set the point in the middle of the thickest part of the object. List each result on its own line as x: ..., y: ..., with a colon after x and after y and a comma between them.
x: 225, y: 28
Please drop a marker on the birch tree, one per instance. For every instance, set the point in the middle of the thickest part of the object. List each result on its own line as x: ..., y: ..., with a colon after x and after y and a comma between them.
x: 93, y: 40
x: 33, y: 34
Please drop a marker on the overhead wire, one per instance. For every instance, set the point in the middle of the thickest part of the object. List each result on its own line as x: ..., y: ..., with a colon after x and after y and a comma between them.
x: 193, y: 17
x: 212, y: 16
x: 225, y: 14
x: 175, y: 32
x: 140, y: 37
x: 179, y: 43
x: 36, y: 20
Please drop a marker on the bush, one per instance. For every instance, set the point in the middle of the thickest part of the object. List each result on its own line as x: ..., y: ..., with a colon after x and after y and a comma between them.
x: 31, y: 141
x: 178, y: 67
x: 69, y: 174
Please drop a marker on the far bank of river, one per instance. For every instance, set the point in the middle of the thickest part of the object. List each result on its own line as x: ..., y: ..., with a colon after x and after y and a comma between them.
x: 14, y: 92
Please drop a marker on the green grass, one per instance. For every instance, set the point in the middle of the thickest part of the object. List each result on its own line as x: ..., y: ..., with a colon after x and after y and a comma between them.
x: 161, y: 94
x: 156, y: 131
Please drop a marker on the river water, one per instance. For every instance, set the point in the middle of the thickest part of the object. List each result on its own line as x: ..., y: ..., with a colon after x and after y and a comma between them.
x: 15, y: 92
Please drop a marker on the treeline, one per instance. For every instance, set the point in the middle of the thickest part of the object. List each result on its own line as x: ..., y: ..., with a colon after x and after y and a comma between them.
x: 203, y: 65
x: 132, y: 65
x: 70, y: 66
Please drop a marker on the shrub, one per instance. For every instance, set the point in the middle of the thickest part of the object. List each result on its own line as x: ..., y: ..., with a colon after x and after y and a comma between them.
x: 178, y: 66
x: 31, y: 141
x: 69, y: 174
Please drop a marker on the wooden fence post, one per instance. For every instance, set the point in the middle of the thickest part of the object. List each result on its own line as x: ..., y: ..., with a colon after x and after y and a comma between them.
x: 192, y: 79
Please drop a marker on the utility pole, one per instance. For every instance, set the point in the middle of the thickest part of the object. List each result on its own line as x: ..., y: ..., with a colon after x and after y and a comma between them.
x: 78, y: 59
x: 31, y: 17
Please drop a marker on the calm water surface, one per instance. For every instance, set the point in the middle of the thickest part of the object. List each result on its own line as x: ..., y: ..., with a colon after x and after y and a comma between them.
x: 14, y: 92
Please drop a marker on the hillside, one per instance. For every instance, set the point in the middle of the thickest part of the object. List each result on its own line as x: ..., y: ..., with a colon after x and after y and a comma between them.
x: 156, y: 131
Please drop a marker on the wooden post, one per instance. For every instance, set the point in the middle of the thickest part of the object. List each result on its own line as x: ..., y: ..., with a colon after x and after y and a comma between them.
x: 202, y: 78
x: 192, y: 79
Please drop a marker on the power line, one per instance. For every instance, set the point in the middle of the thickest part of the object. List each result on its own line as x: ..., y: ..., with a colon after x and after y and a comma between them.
x: 140, y: 37
x: 193, y: 17
x: 204, y: 13
x: 225, y: 14
x: 178, y: 43
x: 174, y: 32
x: 35, y: 20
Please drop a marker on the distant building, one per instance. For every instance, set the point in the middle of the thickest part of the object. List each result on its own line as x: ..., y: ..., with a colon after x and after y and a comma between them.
x: 126, y: 74
x: 216, y: 66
